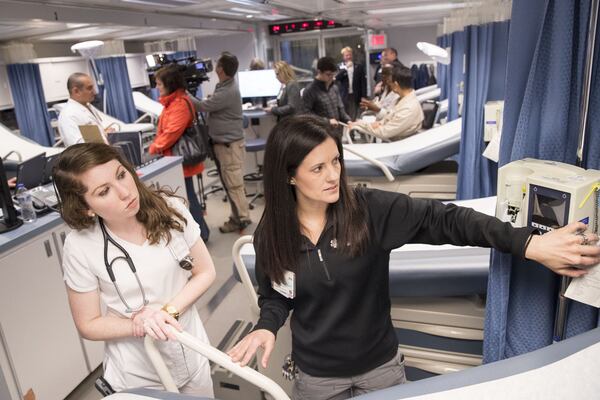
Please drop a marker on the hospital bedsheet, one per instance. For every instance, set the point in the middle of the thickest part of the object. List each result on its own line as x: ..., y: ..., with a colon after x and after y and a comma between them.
x: 565, y: 370
x: 408, y: 155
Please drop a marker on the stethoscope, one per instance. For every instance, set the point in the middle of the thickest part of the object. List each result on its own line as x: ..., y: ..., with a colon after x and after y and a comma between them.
x: 185, y: 263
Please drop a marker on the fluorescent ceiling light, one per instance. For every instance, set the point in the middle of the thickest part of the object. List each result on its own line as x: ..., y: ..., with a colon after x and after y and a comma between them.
x: 274, y: 17
x: 222, y: 12
x: 427, y: 7
x: 244, y: 2
x: 244, y: 10
x: 150, y: 3
x: 160, y: 34
x: 83, y: 33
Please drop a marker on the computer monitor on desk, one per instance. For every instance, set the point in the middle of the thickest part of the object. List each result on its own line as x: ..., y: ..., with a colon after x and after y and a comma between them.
x: 258, y: 84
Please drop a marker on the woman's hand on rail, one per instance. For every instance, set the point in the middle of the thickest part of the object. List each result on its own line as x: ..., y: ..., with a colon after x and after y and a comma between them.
x: 154, y: 323
x: 246, y: 348
x: 566, y: 251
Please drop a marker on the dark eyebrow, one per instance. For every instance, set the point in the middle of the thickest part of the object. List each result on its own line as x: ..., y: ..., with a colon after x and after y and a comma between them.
x: 116, y: 175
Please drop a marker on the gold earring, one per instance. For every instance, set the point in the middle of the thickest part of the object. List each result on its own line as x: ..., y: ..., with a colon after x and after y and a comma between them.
x: 92, y: 214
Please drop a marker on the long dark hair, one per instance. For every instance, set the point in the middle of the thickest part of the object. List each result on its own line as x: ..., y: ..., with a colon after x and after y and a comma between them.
x: 278, y: 237
x: 155, y: 213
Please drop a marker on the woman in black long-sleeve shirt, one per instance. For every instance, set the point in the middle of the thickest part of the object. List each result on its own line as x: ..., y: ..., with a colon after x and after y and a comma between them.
x: 288, y: 101
x: 334, y: 243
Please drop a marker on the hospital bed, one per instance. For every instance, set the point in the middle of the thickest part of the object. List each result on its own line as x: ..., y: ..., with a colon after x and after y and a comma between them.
x: 144, y: 104
x: 414, y: 166
x: 429, y: 95
x: 437, y: 297
x: 20, y: 147
x: 426, y: 89
x: 565, y: 370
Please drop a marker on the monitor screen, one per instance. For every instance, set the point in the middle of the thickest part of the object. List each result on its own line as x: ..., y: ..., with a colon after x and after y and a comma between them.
x: 30, y: 172
x: 548, y: 208
x: 261, y: 83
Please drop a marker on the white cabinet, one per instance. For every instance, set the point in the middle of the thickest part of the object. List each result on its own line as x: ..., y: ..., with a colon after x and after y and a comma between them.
x: 93, y: 350
x: 38, y: 334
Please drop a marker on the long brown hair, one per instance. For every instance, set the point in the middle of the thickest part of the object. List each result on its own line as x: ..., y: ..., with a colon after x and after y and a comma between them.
x: 278, y: 238
x: 155, y: 214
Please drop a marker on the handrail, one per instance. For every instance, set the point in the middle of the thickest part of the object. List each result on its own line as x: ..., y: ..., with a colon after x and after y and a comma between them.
x: 214, y: 355
x: 243, y: 272
x: 377, y: 163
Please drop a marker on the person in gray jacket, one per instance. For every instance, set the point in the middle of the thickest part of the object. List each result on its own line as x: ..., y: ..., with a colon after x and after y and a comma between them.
x: 225, y: 128
x: 288, y: 100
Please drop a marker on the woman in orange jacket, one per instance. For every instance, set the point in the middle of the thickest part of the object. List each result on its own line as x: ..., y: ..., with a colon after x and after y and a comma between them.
x: 173, y: 121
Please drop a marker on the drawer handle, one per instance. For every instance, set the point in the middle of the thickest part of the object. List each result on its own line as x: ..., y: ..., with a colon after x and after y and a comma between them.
x: 48, y: 248
x: 63, y: 236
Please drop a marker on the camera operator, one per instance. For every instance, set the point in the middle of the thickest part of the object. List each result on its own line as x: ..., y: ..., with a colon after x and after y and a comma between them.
x: 175, y: 118
x: 225, y: 123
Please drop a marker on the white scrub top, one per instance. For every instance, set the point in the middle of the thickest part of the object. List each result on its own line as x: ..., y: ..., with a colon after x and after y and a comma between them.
x: 75, y: 114
x: 126, y: 364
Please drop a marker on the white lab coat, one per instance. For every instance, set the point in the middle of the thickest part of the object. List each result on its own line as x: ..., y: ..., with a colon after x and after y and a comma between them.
x: 126, y: 364
x: 75, y: 114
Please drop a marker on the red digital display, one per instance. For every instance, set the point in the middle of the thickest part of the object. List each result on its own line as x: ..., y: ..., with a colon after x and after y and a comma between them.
x: 302, y: 26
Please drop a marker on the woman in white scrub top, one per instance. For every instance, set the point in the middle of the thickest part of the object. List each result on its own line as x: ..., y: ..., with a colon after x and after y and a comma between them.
x: 96, y: 185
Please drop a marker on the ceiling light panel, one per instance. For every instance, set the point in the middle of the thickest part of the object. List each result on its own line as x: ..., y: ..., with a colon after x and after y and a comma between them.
x: 416, y: 9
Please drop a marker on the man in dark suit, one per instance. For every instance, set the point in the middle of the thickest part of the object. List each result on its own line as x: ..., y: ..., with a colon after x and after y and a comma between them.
x: 352, y: 82
x: 389, y: 55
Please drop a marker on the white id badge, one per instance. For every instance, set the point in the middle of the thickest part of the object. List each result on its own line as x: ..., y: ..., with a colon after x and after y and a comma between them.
x: 288, y: 287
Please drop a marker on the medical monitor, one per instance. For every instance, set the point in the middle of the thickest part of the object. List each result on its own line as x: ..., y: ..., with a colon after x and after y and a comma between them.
x: 8, y: 220
x: 549, y: 208
x: 31, y: 172
x: 261, y: 83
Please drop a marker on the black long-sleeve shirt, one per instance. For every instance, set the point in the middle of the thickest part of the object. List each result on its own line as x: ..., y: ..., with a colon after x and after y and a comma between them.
x: 324, y: 101
x: 341, y: 325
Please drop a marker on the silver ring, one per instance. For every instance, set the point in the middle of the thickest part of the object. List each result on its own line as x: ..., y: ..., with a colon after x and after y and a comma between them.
x: 585, y: 240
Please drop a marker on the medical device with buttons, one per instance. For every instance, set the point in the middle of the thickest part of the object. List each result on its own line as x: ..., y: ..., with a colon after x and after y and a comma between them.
x: 547, y: 195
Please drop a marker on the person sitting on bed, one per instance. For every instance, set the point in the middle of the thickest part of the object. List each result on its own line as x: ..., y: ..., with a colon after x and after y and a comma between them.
x: 404, y: 119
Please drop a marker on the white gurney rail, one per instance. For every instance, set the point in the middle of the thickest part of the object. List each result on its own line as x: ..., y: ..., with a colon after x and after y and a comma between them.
x: 404, y: 156
x: 214, y: 355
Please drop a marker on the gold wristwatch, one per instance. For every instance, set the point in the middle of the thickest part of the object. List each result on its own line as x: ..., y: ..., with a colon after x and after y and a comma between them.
x: 171, y: 310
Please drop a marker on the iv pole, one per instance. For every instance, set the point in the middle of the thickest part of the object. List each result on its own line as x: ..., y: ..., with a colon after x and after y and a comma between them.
x: 563, y: 302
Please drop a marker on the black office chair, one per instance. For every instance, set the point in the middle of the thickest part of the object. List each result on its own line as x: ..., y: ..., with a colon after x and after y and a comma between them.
x: 430, y: 108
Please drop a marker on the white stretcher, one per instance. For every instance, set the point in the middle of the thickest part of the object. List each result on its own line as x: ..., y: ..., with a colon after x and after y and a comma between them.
x: 426, y: 89
x: 411, y: 166
x: 430, y: 94
x: 20, y: 147
x: 151, y: 108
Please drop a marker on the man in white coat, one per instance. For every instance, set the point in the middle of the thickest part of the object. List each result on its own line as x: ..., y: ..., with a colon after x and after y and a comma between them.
x: 79, y: 110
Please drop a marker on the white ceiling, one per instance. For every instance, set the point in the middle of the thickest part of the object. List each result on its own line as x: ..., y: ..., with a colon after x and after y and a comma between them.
x: 67, y: 20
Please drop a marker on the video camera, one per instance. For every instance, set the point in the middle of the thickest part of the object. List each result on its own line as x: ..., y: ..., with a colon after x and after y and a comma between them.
x: 194, y: 71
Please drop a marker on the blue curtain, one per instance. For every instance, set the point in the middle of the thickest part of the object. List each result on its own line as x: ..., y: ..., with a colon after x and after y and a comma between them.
x: 442, y: 70
x: 485, y: 69
x: 455, y: 72
x: 30, y: 103
x: 119, y: 100
x: 546, y: 50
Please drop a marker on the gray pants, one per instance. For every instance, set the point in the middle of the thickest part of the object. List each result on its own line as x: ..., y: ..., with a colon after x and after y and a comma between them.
x: 307, y: 387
